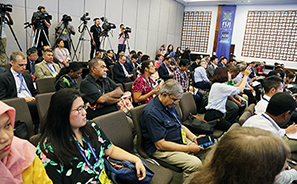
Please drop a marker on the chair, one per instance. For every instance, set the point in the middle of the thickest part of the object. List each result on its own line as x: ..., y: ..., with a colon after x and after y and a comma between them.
x: 188, y: 106
x: 121, y: 86
x: 136, y: 113
x: 234, y: 126
x: 22, y: 112
x: 115, y: 125
x: 244, y: 117
x: 134, y: 73
x: 79, y: 81
x: 251, y: 108
x: 35, y: 139
x: 45, y: 85
x: 128, y: 86
x: 42, y: 103
x: 111, y: 71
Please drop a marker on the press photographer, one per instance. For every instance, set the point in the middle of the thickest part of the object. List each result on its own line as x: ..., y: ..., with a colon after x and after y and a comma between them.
x: 63, y: 33
x: 41, y: 22
x: 4, y: 10
x: 95, y: 35
x: 123, y: 36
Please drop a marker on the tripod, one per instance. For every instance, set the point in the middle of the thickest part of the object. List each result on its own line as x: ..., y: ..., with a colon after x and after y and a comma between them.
x: 126, y: 39
x: 105, y: 35
x: 2, y: 20
x: 82, y: 32
x: 69, y: 40
x: 35, y: 40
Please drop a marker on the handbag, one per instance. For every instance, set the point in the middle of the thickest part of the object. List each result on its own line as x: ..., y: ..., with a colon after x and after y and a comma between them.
x: 123, y: 171
x: 200, y: 126
x: 125, y: 104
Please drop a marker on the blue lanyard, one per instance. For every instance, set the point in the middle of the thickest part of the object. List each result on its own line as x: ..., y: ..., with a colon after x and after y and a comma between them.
x: 276, y: 127
x: 171, y: 111
x: 149, y: 83
x: 265, y: 99
x: 71, y: 80
x: 50, y: 67
x: 85, y: 158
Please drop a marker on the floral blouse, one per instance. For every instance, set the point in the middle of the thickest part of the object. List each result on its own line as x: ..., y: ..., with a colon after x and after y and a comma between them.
x: 78, y: 172
x: 141, y: 85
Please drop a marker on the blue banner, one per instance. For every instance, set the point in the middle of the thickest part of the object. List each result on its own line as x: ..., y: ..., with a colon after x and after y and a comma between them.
x: 225, y: 31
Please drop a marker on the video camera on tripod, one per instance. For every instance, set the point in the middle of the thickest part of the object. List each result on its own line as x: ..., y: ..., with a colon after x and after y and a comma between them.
x: 127, y: 30
x: 5, y: 8
x: 107, y: 26
x: 66, y: 19
x: 39, y: 17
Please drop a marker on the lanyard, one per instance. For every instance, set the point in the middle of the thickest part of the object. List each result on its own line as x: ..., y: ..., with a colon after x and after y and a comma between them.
x: 265, y: 99
x: 149, y: 83
x: 85, y: 158
x: 71, y: 80
x: 276, y: 127
x: 64, y: 54
x: 50, y: 68
x: 171, y: 111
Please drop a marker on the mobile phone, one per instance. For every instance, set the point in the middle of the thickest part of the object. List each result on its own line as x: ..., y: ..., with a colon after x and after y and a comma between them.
x: 205, y: 141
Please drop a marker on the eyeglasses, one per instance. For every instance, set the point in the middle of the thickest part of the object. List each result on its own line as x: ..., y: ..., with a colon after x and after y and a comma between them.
x: 81, y: 108
x: 152, y: 66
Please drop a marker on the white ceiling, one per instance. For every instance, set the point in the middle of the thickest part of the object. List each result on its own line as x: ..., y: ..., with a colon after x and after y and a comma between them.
x: 234, y: 2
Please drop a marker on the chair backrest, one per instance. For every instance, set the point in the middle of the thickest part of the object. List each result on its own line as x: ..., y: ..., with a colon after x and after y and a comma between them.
x: 128, y: 86
x: 134, y: 73
x: 45, y: 85
x: 22, y: 112
x: 244, y: 117
x: 136, y: 113
x: 111, y: 71
x: 79, y: 81
x: 42, y: 103
x: 117, y: 128
x: 251, y: 108
x: 187, y: 105
x: 121, y: 86
x: 234, y: 126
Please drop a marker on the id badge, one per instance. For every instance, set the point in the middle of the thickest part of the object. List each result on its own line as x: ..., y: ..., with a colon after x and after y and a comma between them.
x: 103, y: 177
x: 183, y: 133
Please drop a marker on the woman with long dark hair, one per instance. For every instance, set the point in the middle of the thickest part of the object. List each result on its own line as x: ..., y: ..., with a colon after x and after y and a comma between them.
x: 67, y: 76
x: 72, y: 148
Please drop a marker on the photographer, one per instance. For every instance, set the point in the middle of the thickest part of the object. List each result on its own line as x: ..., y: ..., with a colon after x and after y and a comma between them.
x: 3, y: 37
x: 95, y: 35
x: 41, y: 22
x: 123, y: 36
x: 61, y: 31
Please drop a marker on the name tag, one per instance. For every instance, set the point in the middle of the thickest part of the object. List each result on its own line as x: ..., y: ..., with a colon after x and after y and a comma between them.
x: 184, y: 137
x: 103, y: 177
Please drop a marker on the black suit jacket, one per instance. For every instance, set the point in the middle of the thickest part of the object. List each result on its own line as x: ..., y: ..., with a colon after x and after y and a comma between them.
x: 129, y: 67
x: 8, y: 87
x: 163, y: 72
x: 119, y: 75
x: 193, y: 66
x: 28, y: 64
x: 108, y: 62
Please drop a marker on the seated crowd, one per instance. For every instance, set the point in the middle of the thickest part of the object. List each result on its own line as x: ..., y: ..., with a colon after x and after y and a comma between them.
x: 71, y: 146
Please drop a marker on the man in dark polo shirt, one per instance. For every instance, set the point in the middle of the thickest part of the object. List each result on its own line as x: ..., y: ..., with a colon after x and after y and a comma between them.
x: 165, y: 138
x: 99, y: 90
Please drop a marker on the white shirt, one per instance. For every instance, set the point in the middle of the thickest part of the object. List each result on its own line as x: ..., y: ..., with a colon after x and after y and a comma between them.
x: 125, y: 71
x: 52, y: 68
x: 24, y: 93
x: 200, y: 75
x: 262, y: 105
x: 265, y: 122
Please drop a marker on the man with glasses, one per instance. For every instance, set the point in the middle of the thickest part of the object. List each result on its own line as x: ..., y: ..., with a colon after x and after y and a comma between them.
x: 32, y: 56
x: 100, y: 91
x: 165, y: 138
x: 14, y: 83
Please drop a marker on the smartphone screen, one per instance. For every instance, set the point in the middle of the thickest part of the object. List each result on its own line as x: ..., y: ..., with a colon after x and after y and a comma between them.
x: 205, y: 141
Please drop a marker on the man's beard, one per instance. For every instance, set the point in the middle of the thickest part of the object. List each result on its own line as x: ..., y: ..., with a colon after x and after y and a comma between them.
x: 104, y: 75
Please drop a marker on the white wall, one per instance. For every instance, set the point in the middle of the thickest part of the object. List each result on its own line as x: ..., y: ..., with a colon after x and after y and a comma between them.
x: 153, y: 22
x: 239, y: 27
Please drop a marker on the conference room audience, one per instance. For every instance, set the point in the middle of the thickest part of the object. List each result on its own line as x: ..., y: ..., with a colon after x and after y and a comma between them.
x: 131, y: 65
x: 47, y: 68
x: 195, y: 64
x: 144, y: 88
x: 218, y: 96
x: 223, y: 62
x: 120, y: 72
x: 32, y: 55
x: 158, y: 60
x: 68, y: 75
x: 231, y: 161
x: 260, y: 69
x: 170, y: 51
x: 165, y: 70
x: 72, y: 148
x: 19, y: 163
x: 200, y: 76
x: 212, y: 65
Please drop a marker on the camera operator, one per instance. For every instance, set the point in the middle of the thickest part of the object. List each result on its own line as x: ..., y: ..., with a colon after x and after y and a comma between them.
x: 123, y: 36
x: 41, y: 22
x: 61, y: 32
x: 95, y: 35
x: 3, y: 39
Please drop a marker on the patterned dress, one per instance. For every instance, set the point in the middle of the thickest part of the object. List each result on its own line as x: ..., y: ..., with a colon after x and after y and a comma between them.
x: 141, y: 84
x: 78, y: 172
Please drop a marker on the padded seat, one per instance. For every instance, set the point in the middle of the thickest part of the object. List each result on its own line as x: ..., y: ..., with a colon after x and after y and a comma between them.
x: 128, y: 86
x: 42, y: 103
x: 116, y: 127
x: 45, y: 85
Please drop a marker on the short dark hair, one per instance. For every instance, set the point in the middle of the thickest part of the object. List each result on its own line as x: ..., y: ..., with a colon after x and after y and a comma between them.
x: 220, y: 75
x: 31, y: 51
x: 281, y: 73
x: 290, y: 75
x: 138, y: 53
x: 280, y: 103
x: 184, y: 62
x: 134, y: 56
x: 133, y: 52
x: 198, y: 57
x: 42, y: 48
x: 121, y: 25
x: 109, y: 51
x: 158, y: 55
x: 144, y: 65
x: 58, y: 41
x: 74, y: 66
x: 223, y: 59
x: 145, y: 57
x: 213, y: 58
x: 271, y: 82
